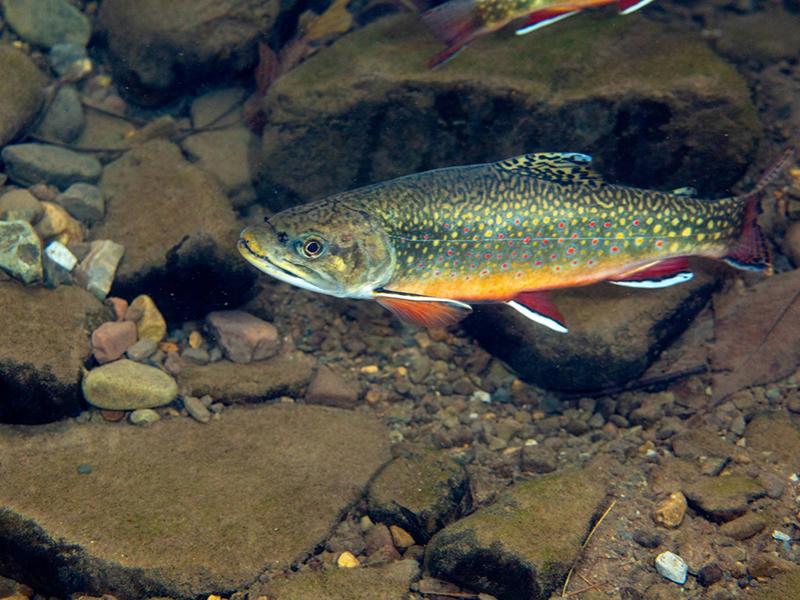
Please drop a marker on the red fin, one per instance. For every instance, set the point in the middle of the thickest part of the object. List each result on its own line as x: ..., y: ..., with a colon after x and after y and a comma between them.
x: 539, y: 307
x: 543, y: 18
x: 661, y: 274
x: 426, y: 312
x: 456, y: 24
x: 751, y: 251
x: 626, y: 7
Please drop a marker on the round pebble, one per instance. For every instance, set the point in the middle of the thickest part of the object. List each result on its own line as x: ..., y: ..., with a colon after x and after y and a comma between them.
x: 128, y: 385
x: 671, y: 566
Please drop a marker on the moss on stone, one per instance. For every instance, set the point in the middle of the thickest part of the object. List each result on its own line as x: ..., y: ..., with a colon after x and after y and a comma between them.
x: 723, y: 497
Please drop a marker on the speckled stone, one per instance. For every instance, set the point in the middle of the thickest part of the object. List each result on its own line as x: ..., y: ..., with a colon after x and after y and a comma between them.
x: 128, y: 385
x: 20, y: 251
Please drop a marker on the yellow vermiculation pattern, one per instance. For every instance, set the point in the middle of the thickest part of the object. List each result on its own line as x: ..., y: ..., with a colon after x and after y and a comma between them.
x: 483, y: 233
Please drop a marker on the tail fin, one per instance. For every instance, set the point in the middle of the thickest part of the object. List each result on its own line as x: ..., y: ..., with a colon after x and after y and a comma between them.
x: 751, y: 251
x: 456, y: 24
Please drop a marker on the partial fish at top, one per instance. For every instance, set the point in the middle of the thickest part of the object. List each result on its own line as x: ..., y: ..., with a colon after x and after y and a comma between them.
x: 458, y: 22
x: 427, y: 246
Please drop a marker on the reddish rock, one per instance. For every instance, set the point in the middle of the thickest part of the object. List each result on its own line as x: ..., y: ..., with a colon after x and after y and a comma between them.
x: 243, y: 337
x: 118, y: 305
x: 328, y: 389
x: 378, y: 537
x: 113, y: 416
x: 111, y: 339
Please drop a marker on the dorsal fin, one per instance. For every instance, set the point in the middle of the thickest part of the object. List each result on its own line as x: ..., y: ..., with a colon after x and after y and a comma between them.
x: 564, y: 168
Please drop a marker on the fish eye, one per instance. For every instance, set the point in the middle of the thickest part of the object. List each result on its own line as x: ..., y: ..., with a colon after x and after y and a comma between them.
x: 312, y: 247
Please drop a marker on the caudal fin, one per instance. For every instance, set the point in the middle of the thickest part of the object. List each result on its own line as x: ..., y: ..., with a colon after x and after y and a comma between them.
x: 751, y: 251
x: 456, y: 24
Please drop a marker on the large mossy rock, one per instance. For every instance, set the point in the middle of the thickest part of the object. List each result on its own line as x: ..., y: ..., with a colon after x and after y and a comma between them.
x: 521, y: 547
x: 614, y: 335
x: 368, y: 108
x: 21, y: 92
x: 178, y: 230
x: 178, y: 509
x: 156, y: 47
x: 44, y: 341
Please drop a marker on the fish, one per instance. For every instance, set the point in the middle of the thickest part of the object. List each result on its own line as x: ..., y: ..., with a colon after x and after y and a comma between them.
x: 459, y: 22
x: 429, y: 246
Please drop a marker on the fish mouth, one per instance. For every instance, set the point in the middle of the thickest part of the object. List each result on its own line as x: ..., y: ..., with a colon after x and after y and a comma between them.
x: 263, y: 263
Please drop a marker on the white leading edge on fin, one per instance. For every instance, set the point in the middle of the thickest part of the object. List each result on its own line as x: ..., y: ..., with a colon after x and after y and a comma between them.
x: 546, y: 22
x: 635, y: 7
x: 653, y: 284
x: 454, y: 303
x: 537, y: 317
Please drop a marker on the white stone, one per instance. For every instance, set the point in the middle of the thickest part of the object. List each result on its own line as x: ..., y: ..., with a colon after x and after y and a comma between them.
x: 61, y: 255
x: 672, y: 567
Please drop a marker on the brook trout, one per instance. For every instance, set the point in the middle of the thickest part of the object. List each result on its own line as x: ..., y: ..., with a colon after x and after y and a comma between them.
x: 428, y: 245
x: 459, y: 22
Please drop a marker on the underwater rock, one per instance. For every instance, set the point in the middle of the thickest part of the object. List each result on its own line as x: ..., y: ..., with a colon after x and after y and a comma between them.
x: 744, y: 527
x: 421, y: 493
x: 57, y: 222
x: 221, y: 107
x: 20, y: 251
x: 523, y: 544
x: 227, y: 155
x: 128, y: 385
x: 785, y: 586
x: 329, y: 389
x: 20, y: 205
x: 614, y: 333
x: 64, y: 119
x: 21, y: 92
x: 596, y: 83
x: 723, y: 498
x: 84, y: 201
x: 97, y: 269
x: 58, y: 262
x: 196, y: 409
x: 671, y: 566
x: 150, y: 324
x: 778, y: 435
x: 144, y: 416
x: 34, y: 163
x: 243, y: 337
x: 112, y: 339
x: 178, y: 230
x: 386, y: 582
x: 156, y: 48
x: 47, y: 22
x: 276, y: 480
x: 44, y: 343
x: 233, y: 383
x: 142, y: 350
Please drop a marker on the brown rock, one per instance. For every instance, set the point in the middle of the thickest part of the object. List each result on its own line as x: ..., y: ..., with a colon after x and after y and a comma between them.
x: 20, y: 92
x: 378, y: 536
x: 112, y: 339
x: 328, y: 389
x: 723, y: 498
x: 243, y: 337
x: 671, y: 511
x: 150, y: 324
x: 57, y: 223
x: 20, y: 205
x: 118, y: 305
x: 401, y: 538
x: 744, y: 527
x: 768, y: 565
x: 43, y: 346
x: 178, y: 230
x: 778, y: 435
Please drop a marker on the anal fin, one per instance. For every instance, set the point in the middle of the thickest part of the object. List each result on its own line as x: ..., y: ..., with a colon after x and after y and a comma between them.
x: 543, y: 18
x: 423, y: 310
x: 540, y: 308
x: 664, y: 273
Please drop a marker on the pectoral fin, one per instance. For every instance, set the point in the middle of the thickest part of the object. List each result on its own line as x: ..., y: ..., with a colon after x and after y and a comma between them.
x: 540, y: 308
x: 543, y: 18
x: 423, y: 310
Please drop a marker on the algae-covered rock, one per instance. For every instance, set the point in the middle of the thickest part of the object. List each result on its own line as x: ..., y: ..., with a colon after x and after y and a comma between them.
x: 128, y: 385
x: 723, y: 498
x: 389, y: 582
x: 159, y: 505
x: 595, y: 83
x: 157, y: 47
x: 178, y: 230
x: 614, y: 334
x: 522, y: 546
x: 421, y: 493
x: 47, y: 22
x: 777, y: 434
x: 44, y: 341
x: 21, y: 92
x: 234, y: 383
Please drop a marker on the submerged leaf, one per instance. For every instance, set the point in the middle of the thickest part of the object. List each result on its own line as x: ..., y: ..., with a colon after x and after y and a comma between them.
x: 756, y: 335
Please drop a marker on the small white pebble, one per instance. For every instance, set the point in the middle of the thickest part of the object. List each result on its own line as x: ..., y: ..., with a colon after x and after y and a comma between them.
x: 671, y: 566
x: 482, y: 396
x: 794, y: 478
x: 531, y: 442
x: 473, y: 416
x: 781, y: 536
x: 61, y: 255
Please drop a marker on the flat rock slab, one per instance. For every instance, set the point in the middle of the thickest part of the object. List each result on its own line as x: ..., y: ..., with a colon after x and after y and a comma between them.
x: 521, y: 547
x: 178, y: 509
x: 596, y: 83
x: 44, y: 341
x: 614, y: 333
x: 723, y: 498
x: 234, y: 383
x: 421, y: 493
x: 20, y: 92
x: 779, y: 435
x: 785, y: 586
x: 178, y: 230
x: 390, y: 582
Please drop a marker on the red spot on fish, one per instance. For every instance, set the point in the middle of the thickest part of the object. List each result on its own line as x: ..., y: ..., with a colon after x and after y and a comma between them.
x: 505, y: 265
x: 510, y: 243
x: 447, y: 226
x: 545, y: 241
x: 570, y: 250
x: 595, y: 241
x: 554, y: 256
x: 455, y: 263
x: 561, y: 225
x: 558, y: 268
x: 527, y: 240
x: 538, y: 263
x: 420, y: 265
x: 614, y: 248
x: 560, y: 240
x: 659, y: 243
x: 607, y: 224
x: 516, y: 221
x: 484, y: 272
x: 526, y: 255
x: 469, y: 254
x: 449, y: 253
x: 500, y: 236
x: 574, y: 262
x: 440, y: 259
x: 472, y: 266
x: 574, y: 235
x: 592, y: 223
x: 636, y: 221
x: 466, y: 229
x: 487, y: 255
x: 425, y: 237
x: 591, y: 262
x: 513, y: 253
